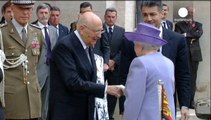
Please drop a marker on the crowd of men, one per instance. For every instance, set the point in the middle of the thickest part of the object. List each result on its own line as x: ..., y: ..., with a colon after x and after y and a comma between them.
x: 50, y: 71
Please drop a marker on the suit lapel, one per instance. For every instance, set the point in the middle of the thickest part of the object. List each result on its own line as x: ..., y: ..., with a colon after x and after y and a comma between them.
x: 14, y: 33
x: 61, y: 31
x: 93, y: 65
x: 82, y: 55
x: 106, y: 32
x: 52, y: 35
x: 165, y: 48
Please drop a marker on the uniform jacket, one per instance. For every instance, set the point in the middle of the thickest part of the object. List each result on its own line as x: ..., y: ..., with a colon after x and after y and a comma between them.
x: 23, y: 101
x: 193, y: 33
x: 176, y: 50
x: 141, y: 89
x: 73, y: 81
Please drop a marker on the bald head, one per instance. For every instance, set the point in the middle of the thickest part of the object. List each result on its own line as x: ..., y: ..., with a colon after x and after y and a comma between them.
x: 89, y: 18
x: 89, y: 27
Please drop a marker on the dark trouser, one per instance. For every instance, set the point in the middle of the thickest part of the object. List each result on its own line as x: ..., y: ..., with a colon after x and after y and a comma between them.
x: 111, y: 105
x: 121, y: 105
x: 2, y: 115
x: 194, y: 69
x: 112, y: 79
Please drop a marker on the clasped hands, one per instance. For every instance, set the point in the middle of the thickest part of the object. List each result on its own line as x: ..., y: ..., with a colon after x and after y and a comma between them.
x: 115, y: 90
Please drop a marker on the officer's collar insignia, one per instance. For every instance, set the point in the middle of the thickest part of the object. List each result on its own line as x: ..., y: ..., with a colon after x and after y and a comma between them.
x: 12, y: 31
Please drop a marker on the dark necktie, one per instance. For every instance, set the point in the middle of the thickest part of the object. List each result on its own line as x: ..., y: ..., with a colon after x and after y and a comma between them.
x: 165, y: 25
x: 24, y: 35
x: 88, y: 54
x: 48, y: 42
x: 109, y: 32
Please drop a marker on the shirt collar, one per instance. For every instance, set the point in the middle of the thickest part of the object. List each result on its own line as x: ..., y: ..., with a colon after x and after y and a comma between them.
x: 107, y: 27
x: 57, y: 27
x: 80, y: 39
x: 161, y: 32
x: 19, y: 27
x: 41, y: 25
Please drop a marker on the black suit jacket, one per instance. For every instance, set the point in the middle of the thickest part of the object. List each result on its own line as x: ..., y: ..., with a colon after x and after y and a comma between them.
x: 193, y: 33
x: 169, y: 24
x: 176, y: 50
x: 73, y: 78
x: 102, y: 47
x: 63, y: 31
x: 115, y: 42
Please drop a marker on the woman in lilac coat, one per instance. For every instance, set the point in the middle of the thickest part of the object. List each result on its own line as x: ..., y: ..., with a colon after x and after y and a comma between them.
x: 141, y: 89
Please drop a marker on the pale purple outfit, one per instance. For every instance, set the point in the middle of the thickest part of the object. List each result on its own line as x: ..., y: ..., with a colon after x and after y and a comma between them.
x: 141, y: 87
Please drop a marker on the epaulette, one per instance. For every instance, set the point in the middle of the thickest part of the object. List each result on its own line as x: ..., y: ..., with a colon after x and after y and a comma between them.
x: 33, y: 25
x: 3, y: 25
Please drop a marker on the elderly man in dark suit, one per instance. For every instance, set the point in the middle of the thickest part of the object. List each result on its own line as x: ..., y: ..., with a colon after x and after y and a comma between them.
x: 55, y: 21
x: 73, y: 73
x: 192, y: 30
x: 176, y: 50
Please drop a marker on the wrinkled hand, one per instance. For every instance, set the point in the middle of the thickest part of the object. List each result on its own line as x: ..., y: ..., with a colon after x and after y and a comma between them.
x: 184, y: 113
x: 105, y: 67
x: 114, y: 90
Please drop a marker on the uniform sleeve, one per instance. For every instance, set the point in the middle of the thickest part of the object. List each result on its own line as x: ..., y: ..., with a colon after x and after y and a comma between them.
x: 2, y: 58
x: 135, y: 90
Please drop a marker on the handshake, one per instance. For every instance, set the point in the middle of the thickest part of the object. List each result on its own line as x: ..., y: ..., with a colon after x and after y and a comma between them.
x: 116, y: 90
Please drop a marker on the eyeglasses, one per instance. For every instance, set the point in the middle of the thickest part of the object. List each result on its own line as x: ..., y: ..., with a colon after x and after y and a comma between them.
x: 95, y: 31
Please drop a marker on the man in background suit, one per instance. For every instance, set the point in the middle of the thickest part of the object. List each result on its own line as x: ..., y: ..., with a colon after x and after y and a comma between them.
x: 73, y: 73
x: 55, y: 21
x: 176, y: 50
x: 84, y: 7
x: 43, y: 68
x: 192, y: 30
x: 114, y: 35
x: 166, y: 23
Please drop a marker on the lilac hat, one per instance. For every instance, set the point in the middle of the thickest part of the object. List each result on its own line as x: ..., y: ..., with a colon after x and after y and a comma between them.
x: 146, y: 33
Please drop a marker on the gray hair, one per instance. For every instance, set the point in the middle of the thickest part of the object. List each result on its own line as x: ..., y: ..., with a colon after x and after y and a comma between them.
x: 43, y: 6
x: 147, y: 46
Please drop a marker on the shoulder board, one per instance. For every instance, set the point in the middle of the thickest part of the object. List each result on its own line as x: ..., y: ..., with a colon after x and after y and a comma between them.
x: 3, y: 25
x: 33, y: 25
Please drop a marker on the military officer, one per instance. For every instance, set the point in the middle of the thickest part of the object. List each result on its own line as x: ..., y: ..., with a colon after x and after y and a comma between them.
x: 22, y: 45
